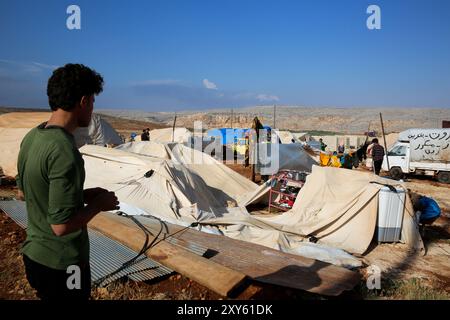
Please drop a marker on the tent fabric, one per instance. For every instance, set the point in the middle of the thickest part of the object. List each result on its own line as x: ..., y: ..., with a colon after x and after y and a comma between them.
x: 275, y: 157
x: 10, y: 139
x: 214, y: 173
x: 99, y: 132
x: 180, y: 192
x: 15, y: 125
x: 147, y: 148
x: 172, y: 192
x: 339, y: 207
x: 285, y: 136
x: 180, y: 135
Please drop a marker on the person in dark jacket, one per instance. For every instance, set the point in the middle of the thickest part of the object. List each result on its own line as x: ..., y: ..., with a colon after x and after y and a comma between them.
x: 377, y: 156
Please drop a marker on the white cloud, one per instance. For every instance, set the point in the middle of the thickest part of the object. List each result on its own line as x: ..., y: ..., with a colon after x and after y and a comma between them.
x: 267, y: 97
x: 28, y: 67
x: 209, y: 85
x: 45, y: 66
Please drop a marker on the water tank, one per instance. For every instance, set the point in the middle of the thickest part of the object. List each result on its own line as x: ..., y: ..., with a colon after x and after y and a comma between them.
x: 390, y: 214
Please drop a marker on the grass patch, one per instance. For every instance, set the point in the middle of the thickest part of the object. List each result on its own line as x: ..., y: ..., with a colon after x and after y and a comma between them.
x: 413, y: 289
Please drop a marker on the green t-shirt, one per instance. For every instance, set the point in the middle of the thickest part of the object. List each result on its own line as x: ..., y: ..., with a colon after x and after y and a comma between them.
x: 51, y: 175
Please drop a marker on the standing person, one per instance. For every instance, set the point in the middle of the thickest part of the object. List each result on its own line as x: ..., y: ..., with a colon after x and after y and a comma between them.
x: 377, y: 156
x: 361, y: 152
x: 144, y: 135
x: 322, y: 144
x: 50, y: 178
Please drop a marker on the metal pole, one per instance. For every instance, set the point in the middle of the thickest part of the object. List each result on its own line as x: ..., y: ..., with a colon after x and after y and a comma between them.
x: 367, y: 134
x: 274, y: 114
x: 385, y: 146
x: 231, y: 118
x: 173, y: 128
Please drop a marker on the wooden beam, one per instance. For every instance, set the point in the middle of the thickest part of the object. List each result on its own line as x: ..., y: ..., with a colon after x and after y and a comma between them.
x: 210, y: 274
x: 265, y: 264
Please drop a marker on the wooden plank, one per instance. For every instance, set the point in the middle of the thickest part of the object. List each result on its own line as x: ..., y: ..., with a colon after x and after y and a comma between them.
x: 212, y: 275
x: 268, y: 265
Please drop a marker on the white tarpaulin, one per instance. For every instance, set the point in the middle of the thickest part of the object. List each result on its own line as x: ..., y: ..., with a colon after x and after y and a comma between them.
x: 339, y: 207
x: 147, y: 148
x: 285, y: 136
x: 274, y: 157
x: 99, y: 132
x: 167, y: 135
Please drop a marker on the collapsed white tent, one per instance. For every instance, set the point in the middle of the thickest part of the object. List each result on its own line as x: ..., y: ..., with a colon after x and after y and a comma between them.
x: 170, y: 191
x: 15, y: 125
x: 339, y: 208
x: 182, y: 191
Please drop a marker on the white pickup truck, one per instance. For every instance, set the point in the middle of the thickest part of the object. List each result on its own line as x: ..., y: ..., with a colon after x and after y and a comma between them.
x: 420, y: 151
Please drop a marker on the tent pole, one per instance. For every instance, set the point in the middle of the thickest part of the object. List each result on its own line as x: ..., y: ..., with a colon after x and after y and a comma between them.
x: 231, y: 117
x: 384, y: 138
x: 173, y: 128
x: 274, y: 114
x: 367, y: 133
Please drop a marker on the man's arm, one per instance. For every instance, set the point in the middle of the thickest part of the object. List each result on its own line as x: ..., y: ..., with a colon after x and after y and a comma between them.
x: 105, y: 201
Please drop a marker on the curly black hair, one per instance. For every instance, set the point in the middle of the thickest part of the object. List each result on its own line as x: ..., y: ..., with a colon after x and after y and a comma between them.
x: 70, y: 83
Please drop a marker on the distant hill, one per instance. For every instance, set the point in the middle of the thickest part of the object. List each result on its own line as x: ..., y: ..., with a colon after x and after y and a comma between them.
x: 346, y: 120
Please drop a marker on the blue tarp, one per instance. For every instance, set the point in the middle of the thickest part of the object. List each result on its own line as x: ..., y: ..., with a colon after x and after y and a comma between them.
x: 430, y: 209
x: 229, y: 135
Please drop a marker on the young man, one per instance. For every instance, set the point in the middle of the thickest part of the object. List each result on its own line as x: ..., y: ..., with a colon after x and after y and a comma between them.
x: 377, y: 156
x: 51, y: 177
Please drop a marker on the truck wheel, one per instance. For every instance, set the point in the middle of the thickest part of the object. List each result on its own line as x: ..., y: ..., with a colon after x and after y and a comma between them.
x: 444, y: 177
x: 396, y: 173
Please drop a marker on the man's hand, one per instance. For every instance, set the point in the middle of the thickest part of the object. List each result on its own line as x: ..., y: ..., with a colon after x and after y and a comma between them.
x: 92, y: 193
x: 105, y: 201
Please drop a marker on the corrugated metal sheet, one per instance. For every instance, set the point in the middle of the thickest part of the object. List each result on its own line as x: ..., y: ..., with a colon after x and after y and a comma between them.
x: 106, y: 255
x: 155, y: 224
x: 16, y: 210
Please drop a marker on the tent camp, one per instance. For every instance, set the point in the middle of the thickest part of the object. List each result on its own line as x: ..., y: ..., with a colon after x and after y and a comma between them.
x: 177, y: 188
x: 15, y: 125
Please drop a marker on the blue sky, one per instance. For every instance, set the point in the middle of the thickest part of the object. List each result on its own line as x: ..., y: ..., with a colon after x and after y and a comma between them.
x: 191, y: 54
